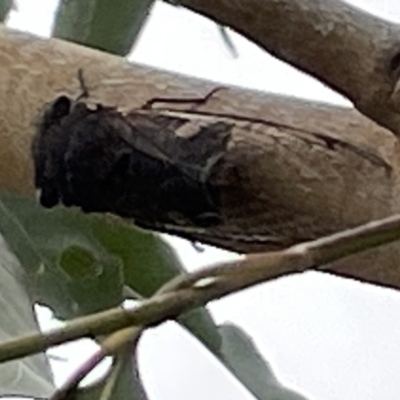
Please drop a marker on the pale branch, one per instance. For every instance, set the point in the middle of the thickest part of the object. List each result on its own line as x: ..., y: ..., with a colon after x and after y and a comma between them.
x: 290, y: 154
x: 355, y: 53
x: 197, y: 289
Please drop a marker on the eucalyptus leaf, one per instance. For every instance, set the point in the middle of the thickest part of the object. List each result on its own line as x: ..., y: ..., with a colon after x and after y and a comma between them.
x: 109, y: 25
x: 42, y: 239
x: 30, y: 376
x: 243, y: 359
x: 5, y: 7
x: 201, y: 324
x: 80, y: 263
x: 148, y: 263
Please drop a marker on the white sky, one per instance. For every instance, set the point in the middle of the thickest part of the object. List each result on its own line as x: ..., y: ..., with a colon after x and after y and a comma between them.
x: 327, y: 337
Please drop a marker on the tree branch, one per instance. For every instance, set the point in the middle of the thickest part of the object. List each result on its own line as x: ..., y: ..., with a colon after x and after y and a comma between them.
x: 353, y: 52
x: 193, y: 290
x: 291, y: 158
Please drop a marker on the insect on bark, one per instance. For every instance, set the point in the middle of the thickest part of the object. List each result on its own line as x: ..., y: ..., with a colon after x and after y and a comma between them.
x: 133, y: 165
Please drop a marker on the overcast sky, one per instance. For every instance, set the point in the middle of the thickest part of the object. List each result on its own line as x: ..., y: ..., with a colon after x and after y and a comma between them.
x: 330, y: 338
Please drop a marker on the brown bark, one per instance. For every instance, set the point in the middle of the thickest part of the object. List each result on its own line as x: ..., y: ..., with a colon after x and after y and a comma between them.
x: 301, y: 170
x: 353, y: 52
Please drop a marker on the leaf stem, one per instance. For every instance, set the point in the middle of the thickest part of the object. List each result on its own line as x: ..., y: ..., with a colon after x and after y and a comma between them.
x: 193, y: 290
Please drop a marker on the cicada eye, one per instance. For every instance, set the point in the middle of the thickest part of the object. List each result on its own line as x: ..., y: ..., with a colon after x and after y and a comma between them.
x: 54, y: 113
x: 60, y: 108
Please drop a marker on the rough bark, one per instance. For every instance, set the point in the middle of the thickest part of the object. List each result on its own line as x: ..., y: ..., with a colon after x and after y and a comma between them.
x: 295, y: 170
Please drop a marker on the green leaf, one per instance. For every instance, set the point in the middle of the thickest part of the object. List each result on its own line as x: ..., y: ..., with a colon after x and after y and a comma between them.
x: 80, y: 263
x: 201, y: 324
x: 96, y: 291
x: 45, y: 240
x: 109, y: 25
x: 243, y: 359
x: 122, y: 382
x: 5, y: 7
x: 148, y: 263
x: 30, y: 376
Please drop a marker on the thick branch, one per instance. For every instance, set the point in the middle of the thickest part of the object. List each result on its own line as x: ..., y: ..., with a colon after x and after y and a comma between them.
x: 353, y: 52
x: 284, y: 175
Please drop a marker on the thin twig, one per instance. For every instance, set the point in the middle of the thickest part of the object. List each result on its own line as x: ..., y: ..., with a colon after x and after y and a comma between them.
x: 110, y: 346
x: 193, y: 290
x: 112, y: 379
